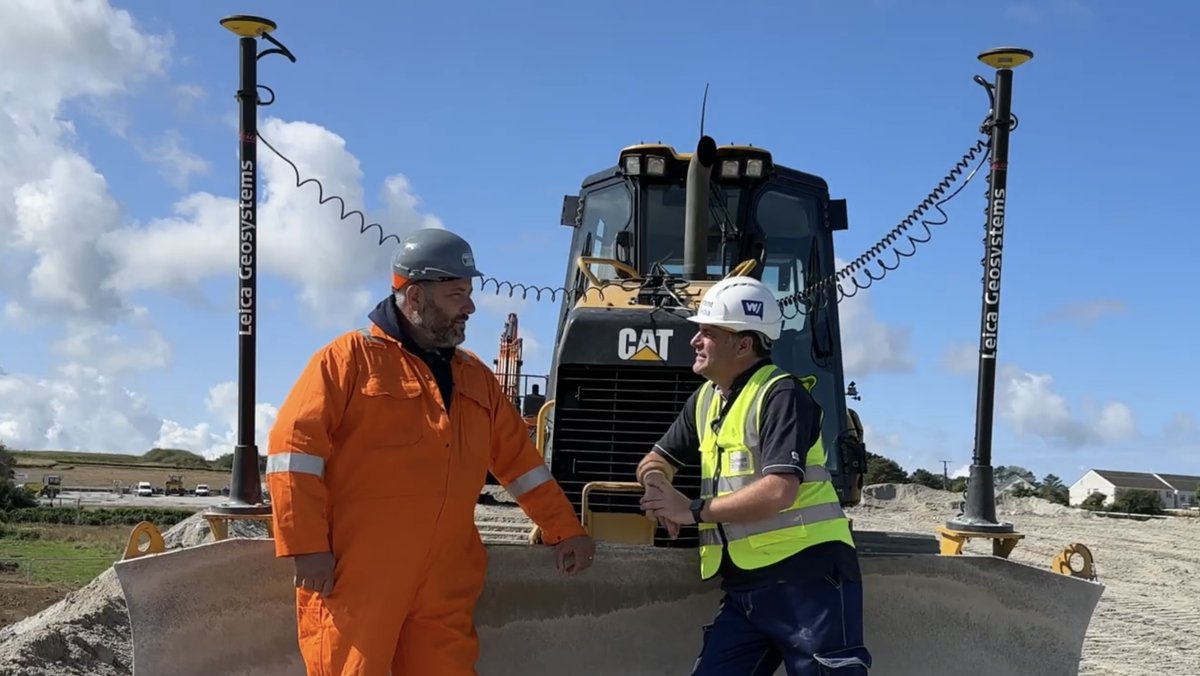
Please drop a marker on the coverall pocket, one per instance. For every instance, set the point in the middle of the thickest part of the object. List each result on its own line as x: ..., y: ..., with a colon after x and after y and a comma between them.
x: 313, y: 638
x: 395, y: 411
x: 852, y: 661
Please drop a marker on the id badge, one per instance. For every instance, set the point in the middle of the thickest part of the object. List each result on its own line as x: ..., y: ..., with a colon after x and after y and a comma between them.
x: 739, y: 462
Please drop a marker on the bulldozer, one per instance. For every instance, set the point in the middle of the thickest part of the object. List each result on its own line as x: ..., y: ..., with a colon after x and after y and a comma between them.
x: 649, y: 235
x: 174, y: 485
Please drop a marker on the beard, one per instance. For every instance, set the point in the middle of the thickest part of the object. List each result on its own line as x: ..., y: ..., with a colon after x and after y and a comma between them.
x: 444, y: 330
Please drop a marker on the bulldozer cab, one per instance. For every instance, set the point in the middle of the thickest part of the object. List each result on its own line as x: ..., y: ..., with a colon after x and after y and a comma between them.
x: 651, y: 235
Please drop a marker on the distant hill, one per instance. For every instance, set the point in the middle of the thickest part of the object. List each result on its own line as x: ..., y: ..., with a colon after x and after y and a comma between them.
x: 173, y: 458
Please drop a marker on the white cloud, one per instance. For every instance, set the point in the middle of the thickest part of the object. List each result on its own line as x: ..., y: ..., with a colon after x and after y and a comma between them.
x: 340, y: 272
x: 78, y: 408
x: 870, y: 345
x: 176, y: 163
x: 70, y: 256
x: 1032, y: 407
x: 204, y: 438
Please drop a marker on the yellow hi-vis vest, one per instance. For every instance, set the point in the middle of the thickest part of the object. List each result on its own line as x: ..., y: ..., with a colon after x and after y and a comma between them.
x: 731, y: 458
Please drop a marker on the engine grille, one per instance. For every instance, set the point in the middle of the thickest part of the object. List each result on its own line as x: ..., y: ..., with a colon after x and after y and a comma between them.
x: 605, y: 419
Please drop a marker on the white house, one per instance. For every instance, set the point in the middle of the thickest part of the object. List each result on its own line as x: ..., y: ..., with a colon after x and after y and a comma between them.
x: 1011, y: 483
x: 1186, y: 490
x: 1176, y: 490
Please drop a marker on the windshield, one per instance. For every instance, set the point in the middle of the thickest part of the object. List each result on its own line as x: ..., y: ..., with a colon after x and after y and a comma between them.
x: 664, y: 220
x: 787, y: 222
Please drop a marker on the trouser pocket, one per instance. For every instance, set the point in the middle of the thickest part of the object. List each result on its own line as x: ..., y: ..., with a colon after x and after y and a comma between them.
x: 852, y: 661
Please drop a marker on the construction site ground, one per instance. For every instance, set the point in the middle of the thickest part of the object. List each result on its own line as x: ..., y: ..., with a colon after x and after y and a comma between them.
x: 1145, y: 622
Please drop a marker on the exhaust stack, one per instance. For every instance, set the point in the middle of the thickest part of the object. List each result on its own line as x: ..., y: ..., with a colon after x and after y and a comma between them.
x: 695, y: 224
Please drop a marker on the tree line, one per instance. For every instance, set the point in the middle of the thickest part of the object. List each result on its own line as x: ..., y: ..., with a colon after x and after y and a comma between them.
x: 881, y: 470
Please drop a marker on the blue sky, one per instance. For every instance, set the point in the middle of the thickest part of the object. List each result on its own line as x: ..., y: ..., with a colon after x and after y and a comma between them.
x: 116, y: 239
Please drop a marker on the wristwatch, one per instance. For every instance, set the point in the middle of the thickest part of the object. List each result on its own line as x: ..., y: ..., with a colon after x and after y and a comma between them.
x: 697, y: 508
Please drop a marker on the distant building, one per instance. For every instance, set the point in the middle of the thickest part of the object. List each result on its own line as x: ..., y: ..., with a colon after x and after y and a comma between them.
x: 1011, y: 483
x: 1177, y: 491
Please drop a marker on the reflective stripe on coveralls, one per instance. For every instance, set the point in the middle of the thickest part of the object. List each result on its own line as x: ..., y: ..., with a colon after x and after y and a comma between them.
x: 365, y: 462
x: 731, y: 459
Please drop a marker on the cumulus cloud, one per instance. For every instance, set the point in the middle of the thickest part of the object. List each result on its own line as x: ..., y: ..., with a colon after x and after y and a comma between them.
x: 337, y: 270
x: 78, y: 407
x: 870, y: 345
x: 72, y: 260
x: 213, y: 441
x: 1033, y: 408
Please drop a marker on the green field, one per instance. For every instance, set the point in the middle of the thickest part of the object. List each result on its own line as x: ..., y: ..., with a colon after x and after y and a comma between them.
x: 61, y: 555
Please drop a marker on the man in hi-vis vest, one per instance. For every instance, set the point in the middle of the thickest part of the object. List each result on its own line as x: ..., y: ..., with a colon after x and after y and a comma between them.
x: 768, y: 516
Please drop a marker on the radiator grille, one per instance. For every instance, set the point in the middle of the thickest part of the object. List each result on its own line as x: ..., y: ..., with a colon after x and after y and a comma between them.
x: 605, y: 419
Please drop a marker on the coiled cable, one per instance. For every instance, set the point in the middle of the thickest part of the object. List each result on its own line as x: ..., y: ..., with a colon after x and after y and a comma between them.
x: 814, y: 296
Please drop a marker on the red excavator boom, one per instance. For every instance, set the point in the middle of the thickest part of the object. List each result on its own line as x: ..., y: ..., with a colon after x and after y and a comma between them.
x: 508, y: 363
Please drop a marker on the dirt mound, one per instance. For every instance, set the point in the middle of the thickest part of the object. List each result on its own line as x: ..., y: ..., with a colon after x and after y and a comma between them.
x: 902, y: 496
x: 87, y: 632
x: 1007, y: 504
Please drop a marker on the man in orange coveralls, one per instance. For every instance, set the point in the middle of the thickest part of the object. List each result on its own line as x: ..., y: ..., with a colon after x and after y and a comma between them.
x: 374, y: 465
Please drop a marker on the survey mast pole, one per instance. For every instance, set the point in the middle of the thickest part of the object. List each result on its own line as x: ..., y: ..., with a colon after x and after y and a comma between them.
x: 979, y: 513
x: 245, y: 486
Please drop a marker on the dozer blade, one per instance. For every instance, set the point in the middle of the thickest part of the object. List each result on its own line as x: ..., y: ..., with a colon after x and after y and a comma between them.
x: 227, y: 608
x: 639, y: 611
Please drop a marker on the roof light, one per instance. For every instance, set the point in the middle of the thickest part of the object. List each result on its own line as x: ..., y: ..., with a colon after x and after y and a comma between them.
x: 633, y: 165
x: 754, y: 167
x: 729, y: 169
x: 656, y: 165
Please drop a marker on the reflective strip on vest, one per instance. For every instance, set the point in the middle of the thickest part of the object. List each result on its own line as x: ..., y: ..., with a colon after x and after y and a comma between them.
x: 805, y: 516
x: 528, y: 481
x: 729, y: 484
x: 300, y: 463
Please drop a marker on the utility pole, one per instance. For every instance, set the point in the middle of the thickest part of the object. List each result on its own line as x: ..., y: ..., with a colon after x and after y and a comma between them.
x: 945, y: 475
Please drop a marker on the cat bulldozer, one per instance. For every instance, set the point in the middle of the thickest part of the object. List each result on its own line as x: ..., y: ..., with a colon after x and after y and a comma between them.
x: 650, y: 234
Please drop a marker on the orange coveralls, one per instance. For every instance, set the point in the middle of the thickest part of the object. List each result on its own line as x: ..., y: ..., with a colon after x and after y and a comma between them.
x: 364, y: 461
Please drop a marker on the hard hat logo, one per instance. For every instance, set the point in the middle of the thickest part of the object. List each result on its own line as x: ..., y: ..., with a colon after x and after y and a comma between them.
x: 468, y: 259
x: 753, y: 308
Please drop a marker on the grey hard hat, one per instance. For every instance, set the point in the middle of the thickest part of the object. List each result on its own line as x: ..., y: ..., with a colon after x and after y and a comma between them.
x: 432, y: 254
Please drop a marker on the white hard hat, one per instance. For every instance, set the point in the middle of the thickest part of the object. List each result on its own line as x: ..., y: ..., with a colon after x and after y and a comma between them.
x: 741, y: 304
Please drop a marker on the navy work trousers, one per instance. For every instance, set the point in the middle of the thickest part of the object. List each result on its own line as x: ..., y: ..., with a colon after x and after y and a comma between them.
x: 813, y: 627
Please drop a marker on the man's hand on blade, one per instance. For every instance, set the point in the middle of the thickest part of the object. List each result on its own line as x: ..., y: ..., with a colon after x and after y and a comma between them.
x: 315, y: 572
x: 574, y: 555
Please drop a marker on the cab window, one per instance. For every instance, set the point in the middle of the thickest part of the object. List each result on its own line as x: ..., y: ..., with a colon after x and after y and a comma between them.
x: 606, y: 212
x: 787, y: 221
